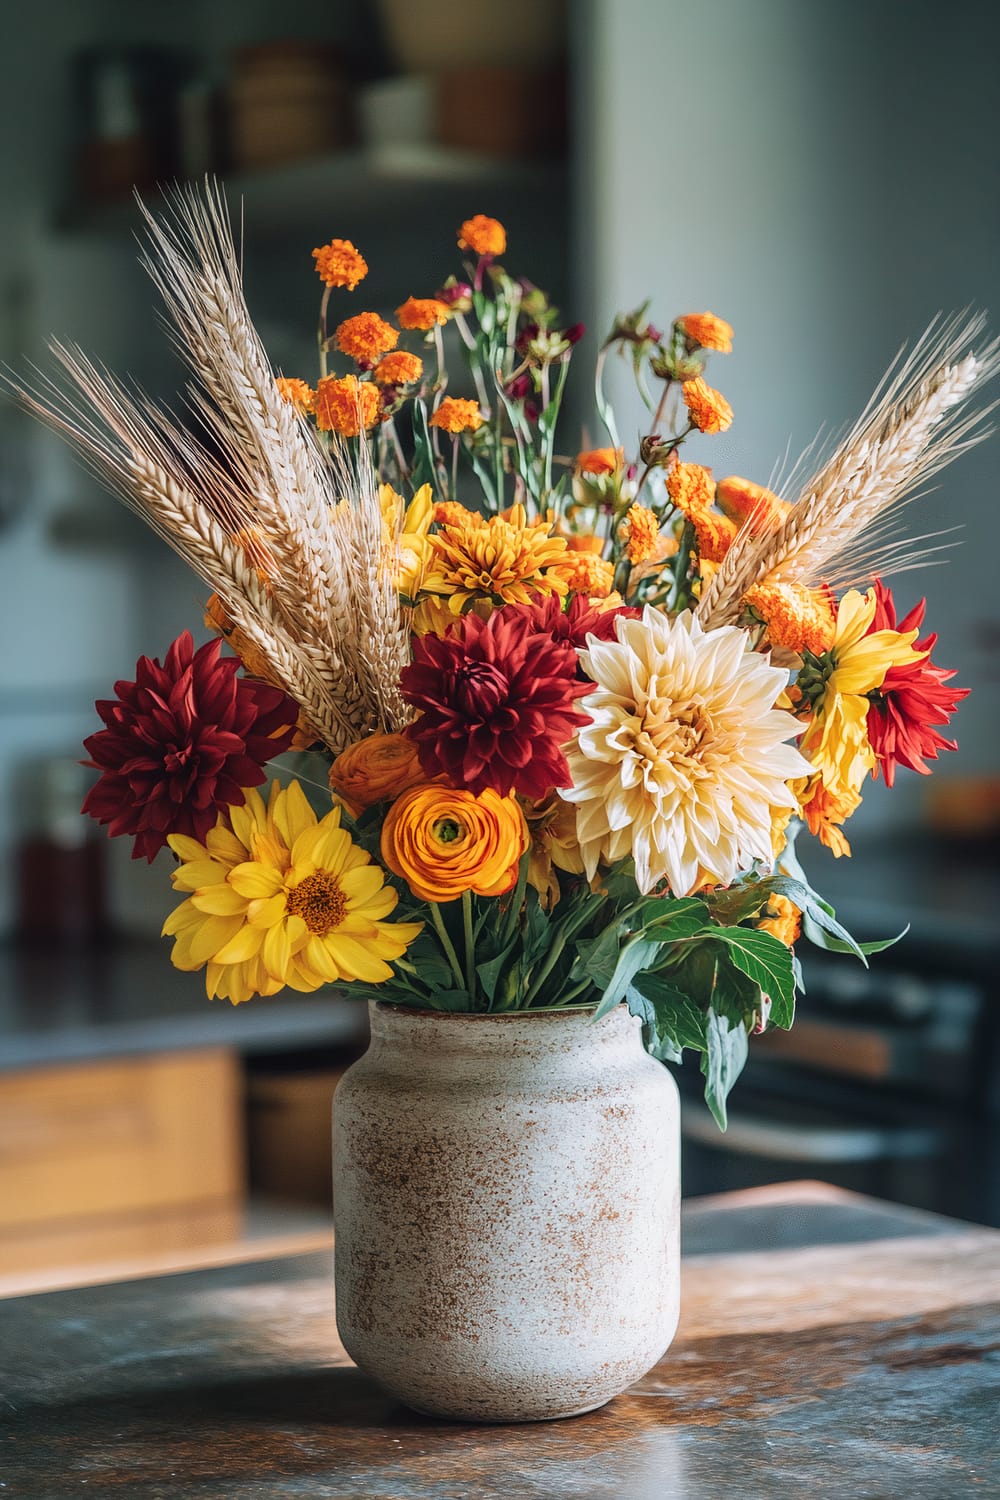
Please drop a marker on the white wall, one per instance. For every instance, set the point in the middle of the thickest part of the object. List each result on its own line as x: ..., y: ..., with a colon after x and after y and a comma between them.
x: 824, y: 175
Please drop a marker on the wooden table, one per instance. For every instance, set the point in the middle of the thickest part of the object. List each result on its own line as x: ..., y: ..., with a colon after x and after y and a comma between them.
x: 829, y: 1346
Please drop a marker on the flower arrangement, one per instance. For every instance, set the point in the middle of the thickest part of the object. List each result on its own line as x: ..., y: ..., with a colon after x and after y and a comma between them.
x: 545, y: 726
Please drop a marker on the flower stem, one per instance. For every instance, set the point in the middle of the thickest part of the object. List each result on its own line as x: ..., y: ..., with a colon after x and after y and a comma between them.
x: 321, y: 333
x: 470, y: 946
x: 447, y: 944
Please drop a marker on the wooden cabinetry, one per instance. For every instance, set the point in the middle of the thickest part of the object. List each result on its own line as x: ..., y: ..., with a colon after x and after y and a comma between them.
x: 105, y: 1160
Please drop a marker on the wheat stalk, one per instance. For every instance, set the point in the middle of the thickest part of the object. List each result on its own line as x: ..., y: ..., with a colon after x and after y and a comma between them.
x: 842, y: 524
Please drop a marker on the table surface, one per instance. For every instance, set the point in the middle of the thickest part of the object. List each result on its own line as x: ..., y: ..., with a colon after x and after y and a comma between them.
x: 829, y: 1346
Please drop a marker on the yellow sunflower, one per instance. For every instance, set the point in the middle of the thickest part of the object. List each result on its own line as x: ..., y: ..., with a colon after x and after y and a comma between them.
x: 281, y: 898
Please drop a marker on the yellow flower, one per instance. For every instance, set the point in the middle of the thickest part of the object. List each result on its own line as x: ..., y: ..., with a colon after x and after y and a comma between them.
x: 296, y: 392
x: 708, y: 331
x: 405, y: 530
x: 422, y: 313
x: 586, y: 573
x: 340, y: 264
x: 280, y: 898
x: 691, y: 488
x: 782, y: 919
x: 496, y: 562
x: 346, y: 405
x: 483, y: 235
x: 366, y: 337
x: 444, y: 842
x: 708, y: 409
x: 400, y: 368
x: 376, y: 769
x: 454, y: 414
x: 554, y: 845
x: 824, y: 809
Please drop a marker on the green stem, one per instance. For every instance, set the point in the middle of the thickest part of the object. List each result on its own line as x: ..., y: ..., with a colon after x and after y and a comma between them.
x: 446, y: 943
x: 554, y: 953
x: 572, y: 993
x: 470, y: 946
x: 517, y: 901
x: 321, y: 333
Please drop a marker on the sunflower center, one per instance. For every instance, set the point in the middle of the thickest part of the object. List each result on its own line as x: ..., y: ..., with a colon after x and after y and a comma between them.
x: 319, y: 901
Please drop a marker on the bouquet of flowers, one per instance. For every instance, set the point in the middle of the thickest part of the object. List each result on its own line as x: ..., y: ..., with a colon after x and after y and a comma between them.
x: 545, y: 726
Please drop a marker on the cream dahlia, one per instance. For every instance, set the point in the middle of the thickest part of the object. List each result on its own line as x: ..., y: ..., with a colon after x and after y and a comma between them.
x: 684, y: 761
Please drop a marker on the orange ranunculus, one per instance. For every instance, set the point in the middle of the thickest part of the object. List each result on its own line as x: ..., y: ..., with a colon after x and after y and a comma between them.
x: 707, y: 331
x: 444, y: 842
x: 708, y: 408
x: 375, y: 769
x: 600, y: 460
x: 482, y: 234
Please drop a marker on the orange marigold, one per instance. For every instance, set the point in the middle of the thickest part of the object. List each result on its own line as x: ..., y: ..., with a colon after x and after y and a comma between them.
x: 797, y: 618
x: 296, y: 392
x: 483, y: 235
x: 399, y: 368
x: 422, y: 312
x: 642, y: 534
x: 586, y: 573
x: 340, y: 264
x: 714, y: 534
x: 450, y: 513
x: 824, y: 811
x: 600, y: 460
x: 708, y: 331
x: 691, y: 488
x: 346, y: 405
x: 457, y: 415
x: 707, y: 408
x: 366, y: 337
x: 745, y: 502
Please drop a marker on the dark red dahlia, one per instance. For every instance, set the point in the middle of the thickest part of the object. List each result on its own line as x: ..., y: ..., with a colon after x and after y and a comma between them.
x: 180, y: 743
x: 575, y: 622
x: 913, y: 699
x: 496, y: 704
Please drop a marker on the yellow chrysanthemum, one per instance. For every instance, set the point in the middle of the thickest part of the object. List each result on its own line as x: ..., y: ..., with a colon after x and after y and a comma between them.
x: 782, y: 919
x: 684, y: 760
x: 405, y: 528
x: 554, y: 845
x: 281, y: 898
x: 586, y: 573
x: 496, y: 562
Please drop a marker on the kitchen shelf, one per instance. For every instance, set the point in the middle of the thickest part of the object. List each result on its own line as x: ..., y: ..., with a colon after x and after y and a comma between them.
x: 370, y: 185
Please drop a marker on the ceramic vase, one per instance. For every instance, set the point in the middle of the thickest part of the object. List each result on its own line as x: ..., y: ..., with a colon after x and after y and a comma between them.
x: 506, y: 1203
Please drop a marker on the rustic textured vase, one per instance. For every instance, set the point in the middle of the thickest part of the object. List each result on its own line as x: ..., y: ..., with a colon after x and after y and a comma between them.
x: 506, y: 1197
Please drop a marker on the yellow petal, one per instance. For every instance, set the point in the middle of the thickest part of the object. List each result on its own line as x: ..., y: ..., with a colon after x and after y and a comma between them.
x: 265, y: 912
x: 243, y: 945
x: 318, y: 957
x: 292, y: 814
x: 355, y: 960
x: 362, y: 883
x: 219, y: 901
x: 185, y: 847
x: 200, y: 872
x: 197, y: 945
x: 255, y: 881
x: 277, y: 951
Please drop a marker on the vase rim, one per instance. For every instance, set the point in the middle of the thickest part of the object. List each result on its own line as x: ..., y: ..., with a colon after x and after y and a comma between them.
x: 386, y: 1007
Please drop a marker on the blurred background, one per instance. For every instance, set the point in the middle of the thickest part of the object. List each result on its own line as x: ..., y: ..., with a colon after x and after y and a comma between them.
x: 825, y: 177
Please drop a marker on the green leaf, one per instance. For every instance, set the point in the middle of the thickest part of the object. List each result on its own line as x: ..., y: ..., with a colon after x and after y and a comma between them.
x: 671, y: 920
x: 596, y: 957
x: 489, y: 972
x: 822, y: 938
x: 451, y: 1000
x: 723, y: 1061
x: 672, y: 1019
x: 767, y: 962
x: 637, y: 953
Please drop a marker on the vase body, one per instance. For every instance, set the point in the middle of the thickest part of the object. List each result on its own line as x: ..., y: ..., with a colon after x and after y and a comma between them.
x: 506, y: 1204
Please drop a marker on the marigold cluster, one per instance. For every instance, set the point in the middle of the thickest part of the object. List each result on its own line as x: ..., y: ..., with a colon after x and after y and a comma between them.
x: 586, y: 573
x: 398, y: 368
x: 797, y: 618
x: 691, y: 488
x: 642, y: 534
x: 365, y: 338
x: 346, y: 405
x: 422, y: 313
x: 455, y: 414
x: 340, y: 264
x: 708, y: 409
x: 714, y: 535
x: 482, y: 235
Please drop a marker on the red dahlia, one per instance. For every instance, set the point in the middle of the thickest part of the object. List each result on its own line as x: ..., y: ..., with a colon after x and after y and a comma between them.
x: 180, y: 743
x: 573, y: 624
x: 496, y: 704
x: 912, y: 699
